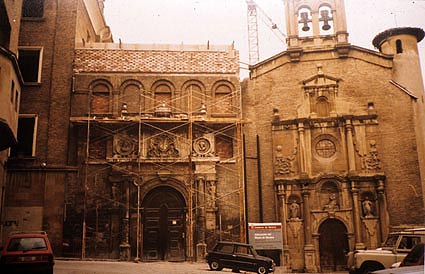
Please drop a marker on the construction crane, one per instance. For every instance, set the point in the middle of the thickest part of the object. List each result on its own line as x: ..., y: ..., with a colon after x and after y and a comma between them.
x: 252, y: 12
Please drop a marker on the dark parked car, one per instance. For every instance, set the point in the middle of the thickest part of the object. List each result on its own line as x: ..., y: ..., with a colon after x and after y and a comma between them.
x: 238, y: 256
x: 27, y: 252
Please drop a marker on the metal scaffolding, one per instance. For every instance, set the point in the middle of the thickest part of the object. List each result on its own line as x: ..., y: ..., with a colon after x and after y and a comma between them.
x: 160, y: 119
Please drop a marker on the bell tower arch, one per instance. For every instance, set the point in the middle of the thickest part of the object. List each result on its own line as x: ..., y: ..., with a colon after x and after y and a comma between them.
x: 316, y: 24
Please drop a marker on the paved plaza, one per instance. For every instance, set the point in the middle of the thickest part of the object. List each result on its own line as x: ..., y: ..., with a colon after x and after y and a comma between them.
x: 111, y: 267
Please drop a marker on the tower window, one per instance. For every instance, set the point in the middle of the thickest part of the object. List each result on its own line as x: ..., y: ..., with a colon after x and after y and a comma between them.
x: 305, y: 27
x: 325, y: 20
x: 33, y: 8
x: 399, y: 46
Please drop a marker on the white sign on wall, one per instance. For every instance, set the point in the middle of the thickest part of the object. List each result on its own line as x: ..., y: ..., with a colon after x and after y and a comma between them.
x: 265, y: 236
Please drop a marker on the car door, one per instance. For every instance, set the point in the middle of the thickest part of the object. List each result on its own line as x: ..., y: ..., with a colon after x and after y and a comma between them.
x: 225, y: 253
x: 245, y: 258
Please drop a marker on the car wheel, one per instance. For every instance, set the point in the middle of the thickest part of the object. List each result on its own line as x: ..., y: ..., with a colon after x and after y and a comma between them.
x: 262, y: 270
x: 215, y: 265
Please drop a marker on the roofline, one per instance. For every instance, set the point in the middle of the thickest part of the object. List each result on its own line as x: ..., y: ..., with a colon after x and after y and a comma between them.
x: 404, y: 89
x: 156, y: 47
x: 381, y: 37
x: 283, y: 53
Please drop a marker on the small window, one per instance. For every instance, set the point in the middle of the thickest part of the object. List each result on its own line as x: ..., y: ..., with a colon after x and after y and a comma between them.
x: 29, y: 60
x: 408, y: 242
x: 27, y: 128
x: 399, y: 46
x: 17, y: 101
x: 243, y: 250
x: 225, y: 248
x: 322, y: 107
x: 33, y: 8
x: 12, y: 91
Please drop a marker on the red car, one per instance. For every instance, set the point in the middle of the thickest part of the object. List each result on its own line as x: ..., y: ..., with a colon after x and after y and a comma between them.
x: 27, y: 252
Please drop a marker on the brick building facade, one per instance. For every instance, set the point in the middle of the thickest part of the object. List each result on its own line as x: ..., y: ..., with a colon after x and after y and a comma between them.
x: 338, y: 134
x: 156, y: 139
x: 38, y: 168
x: 10, y: 86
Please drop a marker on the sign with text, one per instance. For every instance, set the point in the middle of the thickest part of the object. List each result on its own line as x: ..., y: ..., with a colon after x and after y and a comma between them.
x: 265, y: 236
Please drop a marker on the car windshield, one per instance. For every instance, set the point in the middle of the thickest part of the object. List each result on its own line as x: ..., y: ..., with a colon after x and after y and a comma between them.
x: 391, y: 241
x: 26, y: 244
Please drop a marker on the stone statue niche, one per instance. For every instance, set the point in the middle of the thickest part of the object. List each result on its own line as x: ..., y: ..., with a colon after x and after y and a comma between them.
x: 329, y: 197
x: 368, y: 202
x: 294, y: 208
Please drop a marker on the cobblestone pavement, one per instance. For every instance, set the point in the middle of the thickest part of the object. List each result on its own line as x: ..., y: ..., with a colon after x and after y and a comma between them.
x: 108, y: 267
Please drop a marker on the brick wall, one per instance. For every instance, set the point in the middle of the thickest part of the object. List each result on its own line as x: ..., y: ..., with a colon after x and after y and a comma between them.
x: 364, y: 78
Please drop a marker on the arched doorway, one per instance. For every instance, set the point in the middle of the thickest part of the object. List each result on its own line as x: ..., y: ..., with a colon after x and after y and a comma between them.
x: 164, y: 215
x: 333, y: 244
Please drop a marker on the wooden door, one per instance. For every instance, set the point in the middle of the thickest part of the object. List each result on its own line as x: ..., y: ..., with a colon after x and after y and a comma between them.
x: 333, y: 244
x: 164, y: 225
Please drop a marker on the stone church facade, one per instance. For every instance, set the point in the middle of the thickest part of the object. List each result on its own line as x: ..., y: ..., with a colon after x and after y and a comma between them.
x: 338, y: 134
x: 156, y: 137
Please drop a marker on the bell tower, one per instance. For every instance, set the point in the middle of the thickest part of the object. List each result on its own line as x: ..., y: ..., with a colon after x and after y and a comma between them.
x: 316, y: 24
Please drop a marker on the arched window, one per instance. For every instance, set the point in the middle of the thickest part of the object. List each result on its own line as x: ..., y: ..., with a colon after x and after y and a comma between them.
x: 305, y: 27
x: 99, y: 103
x: 196, y: 93
x: 163, y: 91
x: 326, y: 23
x: 132, y: 96
x: 223, y: 98
x: 322, y: 107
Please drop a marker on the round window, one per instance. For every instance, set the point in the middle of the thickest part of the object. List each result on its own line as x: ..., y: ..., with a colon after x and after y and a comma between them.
x: 325, y: 148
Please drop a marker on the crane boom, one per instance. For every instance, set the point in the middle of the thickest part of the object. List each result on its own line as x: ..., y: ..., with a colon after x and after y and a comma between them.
x: 254, y: 54
x: 252, y: 13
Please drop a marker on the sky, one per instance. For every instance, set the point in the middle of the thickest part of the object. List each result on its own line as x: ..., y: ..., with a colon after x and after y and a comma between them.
x: 223, y: 22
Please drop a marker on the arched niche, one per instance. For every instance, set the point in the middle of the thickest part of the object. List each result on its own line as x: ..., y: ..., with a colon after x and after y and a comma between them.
x: 133, y: 96
x: 100, y: 96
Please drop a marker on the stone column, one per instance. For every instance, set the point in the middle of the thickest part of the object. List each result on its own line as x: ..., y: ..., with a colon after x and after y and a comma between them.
x: 350, y: 146
x: 285, y: 261
x: 357, y: 228
x: 125, y: 245
x: 303, y: 164
x: 383, y: 213
x: 211, y: 208
x: 201, y: 246
x: 309, y: 256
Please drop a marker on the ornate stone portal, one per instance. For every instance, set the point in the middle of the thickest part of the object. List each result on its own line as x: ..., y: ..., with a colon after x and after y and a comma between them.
x: 328, y: 176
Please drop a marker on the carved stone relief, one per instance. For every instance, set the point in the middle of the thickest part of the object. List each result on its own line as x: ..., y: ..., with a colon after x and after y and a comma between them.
x: 284, y: 164
x: 370, y: 161
x: 125, y: 146
x: 329, y: 197
x: 211, y: 194
x: 203, y: 146
x: 332, y: 204
x: 162, y: 146
x: 371, y: 229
